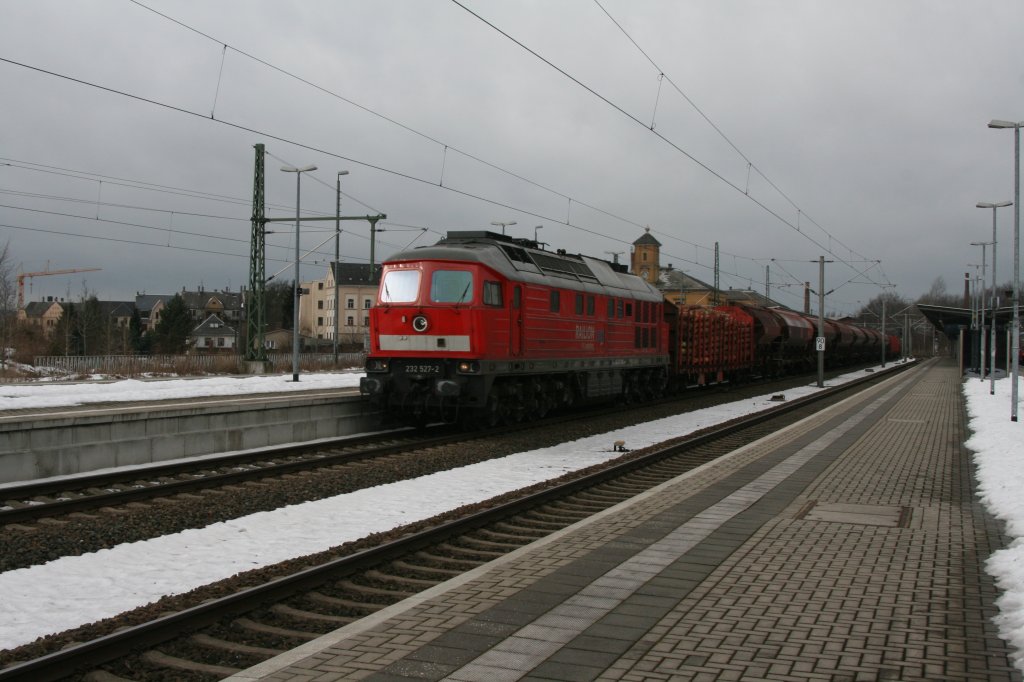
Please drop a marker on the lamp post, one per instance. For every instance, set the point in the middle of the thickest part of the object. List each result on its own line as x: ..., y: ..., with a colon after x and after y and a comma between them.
x: 995, y: 298
x: 981, y: 305
x: 503, y: 225
x: 537, y: 227
x: 295, y: 317
x: 885, y: 341
x: 337, y: 257
x: 1016, y: 258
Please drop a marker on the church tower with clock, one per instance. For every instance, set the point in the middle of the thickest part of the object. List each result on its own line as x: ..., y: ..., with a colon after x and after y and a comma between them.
x: 645, y: 259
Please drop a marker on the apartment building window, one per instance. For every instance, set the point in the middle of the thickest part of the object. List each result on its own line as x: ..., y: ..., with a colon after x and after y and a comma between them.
x: 366, y: 322
x: 319, y: 321
x: 350, y: 303
x: 350, y: 321
x: 367, y: 302
x: 320, y: 305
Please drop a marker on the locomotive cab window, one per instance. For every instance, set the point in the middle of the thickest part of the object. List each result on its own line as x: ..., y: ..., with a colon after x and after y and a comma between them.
x: 492, y: 294
x: 451, y: 286
x: 556, y: 301
x: 400, y: 286
x: 579, y: 304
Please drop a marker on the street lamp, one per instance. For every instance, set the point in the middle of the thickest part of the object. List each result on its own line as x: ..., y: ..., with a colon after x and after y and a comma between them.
x: 1016, y: 258
x: 995, y: 299
x: 981, y: 305
x: 295, y: 317
x: 503, y: 225
x: 538, y: 227
x: 337, y: 257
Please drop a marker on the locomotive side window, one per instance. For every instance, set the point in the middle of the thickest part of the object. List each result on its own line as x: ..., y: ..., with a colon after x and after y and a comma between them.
x: 556, y: 301
x: 611, y: 308
x: 400, y: 286
x: 451, y: 286
x: 579, y: 304
x: 618, y: 305
x: 590, y: 305
x: 629, y: 310
x: 492, y: 294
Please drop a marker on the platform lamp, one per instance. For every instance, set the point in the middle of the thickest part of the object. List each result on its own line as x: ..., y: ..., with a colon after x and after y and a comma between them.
x: 1016, y: 258
x: 995, y: 298
x: 503, y: 225
x: 295, y: 317
x: 981, y: 307
x: 337, y: 257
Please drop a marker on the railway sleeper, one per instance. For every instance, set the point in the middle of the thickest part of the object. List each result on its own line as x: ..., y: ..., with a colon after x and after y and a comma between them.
x: 523, y: 527
x: 471, y: 553
x: 371, y: 591
x: 474, y: 541
x: 438, y: 572
x: 103, y: 676
x: 543, y: 521
x: 249, y: 625
x: 233, y: 647
x: 554, y: 516
x: 516, y: 537
x: 163, y: 660
x: 446, y: 561
x: 348, y: 604
x: 578, y: 507
x: 600, y: 496
x: 300, y: 614
x: 414, y: 584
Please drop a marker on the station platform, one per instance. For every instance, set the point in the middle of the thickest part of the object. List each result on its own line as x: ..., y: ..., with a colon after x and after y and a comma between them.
x: 846, y: 547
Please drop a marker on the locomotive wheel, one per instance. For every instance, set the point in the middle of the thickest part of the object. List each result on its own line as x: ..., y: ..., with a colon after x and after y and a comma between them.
x: 492, y: 412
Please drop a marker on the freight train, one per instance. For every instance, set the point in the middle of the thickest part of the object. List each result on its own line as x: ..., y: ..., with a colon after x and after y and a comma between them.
x: 485, y: 329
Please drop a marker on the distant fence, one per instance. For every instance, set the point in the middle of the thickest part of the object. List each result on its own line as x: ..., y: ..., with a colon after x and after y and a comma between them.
x: 133, y: 365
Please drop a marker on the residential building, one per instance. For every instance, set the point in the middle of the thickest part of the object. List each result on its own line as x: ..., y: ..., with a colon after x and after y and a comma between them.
x: 357, y: 291
x: 43, y: 315
x: 228, y: 306
x: 214, y: 335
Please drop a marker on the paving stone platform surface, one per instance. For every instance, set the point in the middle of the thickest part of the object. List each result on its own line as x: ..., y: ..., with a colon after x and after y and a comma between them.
x: 848, y: 547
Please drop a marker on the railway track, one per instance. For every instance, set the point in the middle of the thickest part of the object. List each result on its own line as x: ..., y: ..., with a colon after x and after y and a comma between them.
x: 283, y: 607
x: 44, y: 499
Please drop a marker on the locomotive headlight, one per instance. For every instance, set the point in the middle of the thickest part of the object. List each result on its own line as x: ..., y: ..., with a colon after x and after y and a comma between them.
x: 469, y: 367
x: 420, y: 323
x: 376, y: 365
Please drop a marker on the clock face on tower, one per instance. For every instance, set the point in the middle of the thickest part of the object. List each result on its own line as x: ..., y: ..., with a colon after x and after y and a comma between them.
x: 643, y: 273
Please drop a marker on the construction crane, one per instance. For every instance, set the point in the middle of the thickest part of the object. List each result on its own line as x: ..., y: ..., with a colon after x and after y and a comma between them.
x: 22, y: 275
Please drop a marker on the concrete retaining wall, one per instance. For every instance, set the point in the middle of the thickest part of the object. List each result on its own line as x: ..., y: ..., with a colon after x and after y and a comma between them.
x: 41, y: 448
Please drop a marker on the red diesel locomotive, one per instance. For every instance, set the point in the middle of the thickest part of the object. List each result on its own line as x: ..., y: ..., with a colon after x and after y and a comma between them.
x: 483, y: 328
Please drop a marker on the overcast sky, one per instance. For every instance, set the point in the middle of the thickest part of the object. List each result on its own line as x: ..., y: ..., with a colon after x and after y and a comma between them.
x: 783, y: 130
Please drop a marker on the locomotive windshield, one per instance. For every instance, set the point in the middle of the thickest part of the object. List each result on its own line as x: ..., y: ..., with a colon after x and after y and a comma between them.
x: 451, y: 286
x: 400, y: 286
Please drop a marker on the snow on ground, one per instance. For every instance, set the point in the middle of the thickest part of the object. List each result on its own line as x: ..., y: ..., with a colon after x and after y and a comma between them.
x: 26, y: 395
x: 998, y: 444
x: 72, y: 591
